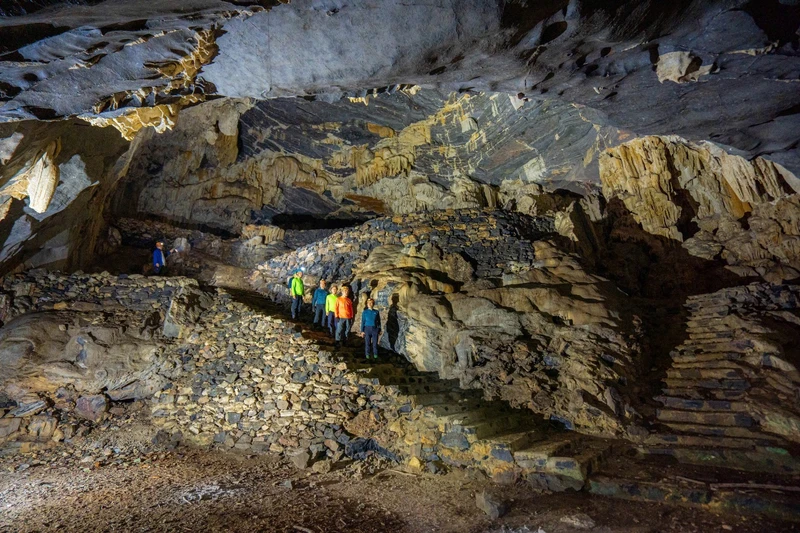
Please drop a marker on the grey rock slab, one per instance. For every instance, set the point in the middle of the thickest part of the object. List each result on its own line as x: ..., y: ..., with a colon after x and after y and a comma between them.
x: 491, y: 504
x: 91, y: 407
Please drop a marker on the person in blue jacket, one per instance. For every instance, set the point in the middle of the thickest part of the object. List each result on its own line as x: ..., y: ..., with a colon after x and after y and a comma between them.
x: 318, y: 303
x: 370, y: 329
x: 160, y: 258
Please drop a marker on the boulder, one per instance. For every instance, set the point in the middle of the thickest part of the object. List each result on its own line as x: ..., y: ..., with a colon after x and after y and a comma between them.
x: 491, y: 504
x: 8, y: 426
x: 91, y: 407
x: 184, y: 310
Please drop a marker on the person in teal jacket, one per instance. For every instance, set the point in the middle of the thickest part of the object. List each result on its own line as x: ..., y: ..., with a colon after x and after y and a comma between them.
x: 297, y: 290
x: 370, y: 329
x: 318, y: 303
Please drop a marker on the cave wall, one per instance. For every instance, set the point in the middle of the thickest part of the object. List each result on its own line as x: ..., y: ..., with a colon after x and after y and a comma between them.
x: 715, y: 206
x: 55, y: 179
x: 231, y: 163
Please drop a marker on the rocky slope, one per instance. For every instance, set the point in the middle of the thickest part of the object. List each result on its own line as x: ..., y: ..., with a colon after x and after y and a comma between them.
x: 492, y: 300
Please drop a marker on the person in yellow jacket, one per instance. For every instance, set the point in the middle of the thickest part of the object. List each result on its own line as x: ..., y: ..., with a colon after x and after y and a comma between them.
x: 344, y: 315
x: 297, y: 290
x: 330, y: 310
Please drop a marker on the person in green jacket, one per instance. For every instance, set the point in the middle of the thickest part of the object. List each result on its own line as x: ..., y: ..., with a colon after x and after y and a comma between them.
x: 330, y: 309
x: 297, y: 290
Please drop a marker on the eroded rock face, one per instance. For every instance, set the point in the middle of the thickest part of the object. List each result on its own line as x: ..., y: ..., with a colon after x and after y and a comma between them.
x: 91, y: 334
x: 492, y: 300
x: 718, y: 205
x: 646, y: 67
x: 54, y: 182
x: 231, y: 163
x: 41, y: 354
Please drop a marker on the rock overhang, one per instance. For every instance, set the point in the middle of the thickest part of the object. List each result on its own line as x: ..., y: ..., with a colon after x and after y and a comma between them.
x: 723, y: 71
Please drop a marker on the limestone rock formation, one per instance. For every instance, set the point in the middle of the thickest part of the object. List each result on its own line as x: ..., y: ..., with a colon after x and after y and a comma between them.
x: 41, y: 354
x: 136, y: 64
x: 54, y: 182
x: 228, y: 164
x: 717, y: 205
x: 91, y: 335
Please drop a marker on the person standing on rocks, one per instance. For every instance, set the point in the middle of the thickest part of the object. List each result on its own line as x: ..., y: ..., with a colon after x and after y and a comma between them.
x: 330, y: 310
x: 297, y: 291
x: 344, y: 316
x: 160, y: 258
x: 370, y: 329
x: 318, y: 303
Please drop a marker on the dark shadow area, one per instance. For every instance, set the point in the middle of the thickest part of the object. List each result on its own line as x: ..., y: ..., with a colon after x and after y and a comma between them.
x: 655, y: 275
x: 308, y: 222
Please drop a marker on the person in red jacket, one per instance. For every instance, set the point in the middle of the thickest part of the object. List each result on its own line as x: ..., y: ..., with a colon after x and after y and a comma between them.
x: 344, y: 315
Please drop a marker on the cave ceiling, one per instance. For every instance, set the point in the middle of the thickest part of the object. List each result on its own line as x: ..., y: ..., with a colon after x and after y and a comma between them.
x: 725, y: 71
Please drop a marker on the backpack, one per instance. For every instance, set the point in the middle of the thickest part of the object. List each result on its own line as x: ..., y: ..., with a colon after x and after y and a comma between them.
x: 289, y: 283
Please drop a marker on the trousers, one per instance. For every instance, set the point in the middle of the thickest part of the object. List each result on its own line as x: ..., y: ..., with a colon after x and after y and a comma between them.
x: 332, y: 323
x: 371, y: 334
x: 297, y: 301
x: 319, y: 314
x: 343, y: 326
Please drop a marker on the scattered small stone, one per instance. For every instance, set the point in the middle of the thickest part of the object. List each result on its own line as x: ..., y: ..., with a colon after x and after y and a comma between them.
x: 91, y: 407
x: 578, y: 521
x: 300, y: 460
x: 490, y: 504
x: 322, y: 467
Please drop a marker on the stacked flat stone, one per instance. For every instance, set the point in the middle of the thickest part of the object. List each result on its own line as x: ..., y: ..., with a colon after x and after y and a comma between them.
x: 38, y: 290
x: 733, y: 383
x: 491, y: 240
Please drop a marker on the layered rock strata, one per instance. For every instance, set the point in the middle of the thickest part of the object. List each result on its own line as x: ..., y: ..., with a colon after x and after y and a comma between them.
x: 231, y: 163
x: 718, y: 206
x: 734, y: 382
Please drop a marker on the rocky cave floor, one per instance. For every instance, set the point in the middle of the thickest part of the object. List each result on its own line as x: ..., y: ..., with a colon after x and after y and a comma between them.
x: 123, y: 475
x: 118, y: 482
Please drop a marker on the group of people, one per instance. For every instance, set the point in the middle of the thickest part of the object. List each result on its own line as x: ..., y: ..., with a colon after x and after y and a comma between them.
x: 333, y: 309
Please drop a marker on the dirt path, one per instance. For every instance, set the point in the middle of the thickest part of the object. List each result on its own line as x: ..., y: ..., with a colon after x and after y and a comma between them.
x: 214, y: 491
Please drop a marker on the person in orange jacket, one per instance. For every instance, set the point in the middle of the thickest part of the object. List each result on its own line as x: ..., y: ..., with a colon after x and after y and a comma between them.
x: 344, y: 315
